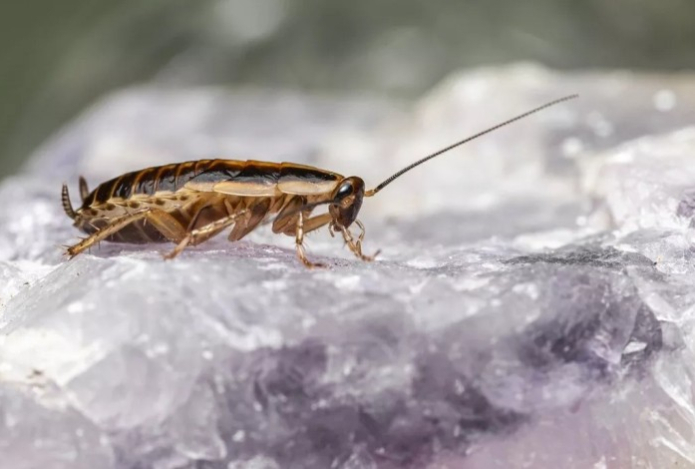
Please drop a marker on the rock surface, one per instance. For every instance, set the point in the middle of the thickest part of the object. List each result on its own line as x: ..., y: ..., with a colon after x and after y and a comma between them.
x: 533, y: 306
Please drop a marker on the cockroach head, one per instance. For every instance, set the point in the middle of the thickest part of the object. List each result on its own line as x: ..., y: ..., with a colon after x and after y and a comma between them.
x: 347, y: 201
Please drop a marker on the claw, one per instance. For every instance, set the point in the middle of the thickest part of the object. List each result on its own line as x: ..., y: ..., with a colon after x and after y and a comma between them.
x: 314, y: 265
x: 171, y: 255
x: 372, y: 257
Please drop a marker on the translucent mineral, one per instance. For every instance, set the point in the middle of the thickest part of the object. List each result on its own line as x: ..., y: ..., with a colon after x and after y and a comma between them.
x: 531, y: 308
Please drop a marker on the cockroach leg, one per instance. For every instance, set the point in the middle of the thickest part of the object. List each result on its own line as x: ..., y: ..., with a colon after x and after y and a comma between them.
x: 164, y: 222
x: 319, y: 221
x: 183, y: 244
x: 204, y: 233
x: 299, y: 240
x: 312, y: 224
x: 196, y: 217
x: 356, y: 246
x: 110, y: 229
x: 286, y: 220
x: 360, y: 238
x: 167, y: 225
x: 253, y: 216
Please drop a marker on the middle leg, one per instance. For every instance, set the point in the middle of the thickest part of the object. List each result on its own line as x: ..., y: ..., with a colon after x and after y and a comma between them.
x: 202, y: 234
x: 303, y: 228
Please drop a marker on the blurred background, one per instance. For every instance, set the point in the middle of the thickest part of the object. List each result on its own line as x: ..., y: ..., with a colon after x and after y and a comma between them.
x: 57, y: 58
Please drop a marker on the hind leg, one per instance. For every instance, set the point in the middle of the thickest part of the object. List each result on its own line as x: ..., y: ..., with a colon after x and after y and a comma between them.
x: 162, y: 221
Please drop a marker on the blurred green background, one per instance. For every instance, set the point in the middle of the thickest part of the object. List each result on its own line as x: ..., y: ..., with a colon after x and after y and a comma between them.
x: 58, y: 57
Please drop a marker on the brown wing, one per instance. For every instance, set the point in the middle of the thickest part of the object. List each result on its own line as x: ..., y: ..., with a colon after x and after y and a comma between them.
x: 231, y: 177
x: 261, y: 179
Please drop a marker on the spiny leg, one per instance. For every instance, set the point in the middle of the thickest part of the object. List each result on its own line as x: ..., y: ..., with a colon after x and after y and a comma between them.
x: 360, y: 238
x: 161, y: 220
x: 300, y: 230
x: 356, y: 246
x: 286, y: 220
x: 109, y: 230
x: 202, y: 234
x: 196, y: 217
x: 253, y: 217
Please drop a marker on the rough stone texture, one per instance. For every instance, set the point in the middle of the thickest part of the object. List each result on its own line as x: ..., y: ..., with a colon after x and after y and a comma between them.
x: 533, y: 306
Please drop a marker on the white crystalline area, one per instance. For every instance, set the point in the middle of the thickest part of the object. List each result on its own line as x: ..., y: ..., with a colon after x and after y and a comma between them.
x: 532, y: 307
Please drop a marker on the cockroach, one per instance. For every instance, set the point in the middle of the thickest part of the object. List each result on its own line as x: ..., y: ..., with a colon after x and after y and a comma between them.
x: 189, y: 203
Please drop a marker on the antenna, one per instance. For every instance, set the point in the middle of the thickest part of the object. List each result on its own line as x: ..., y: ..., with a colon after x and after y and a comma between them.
x: 388, y: 181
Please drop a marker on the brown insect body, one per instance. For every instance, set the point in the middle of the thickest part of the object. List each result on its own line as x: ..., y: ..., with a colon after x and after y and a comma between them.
x: 220, y: 187
x: 194, y: 196
x: 189, y: 203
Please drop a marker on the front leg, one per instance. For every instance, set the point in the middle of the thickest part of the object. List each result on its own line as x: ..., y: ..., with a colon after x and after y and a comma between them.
x: 356, y: 246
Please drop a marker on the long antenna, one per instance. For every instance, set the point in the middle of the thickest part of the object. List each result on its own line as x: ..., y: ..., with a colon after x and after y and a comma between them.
x: 388, y: 181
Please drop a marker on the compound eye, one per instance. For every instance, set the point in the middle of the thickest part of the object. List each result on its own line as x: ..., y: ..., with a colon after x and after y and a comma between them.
x: 345, y: 190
